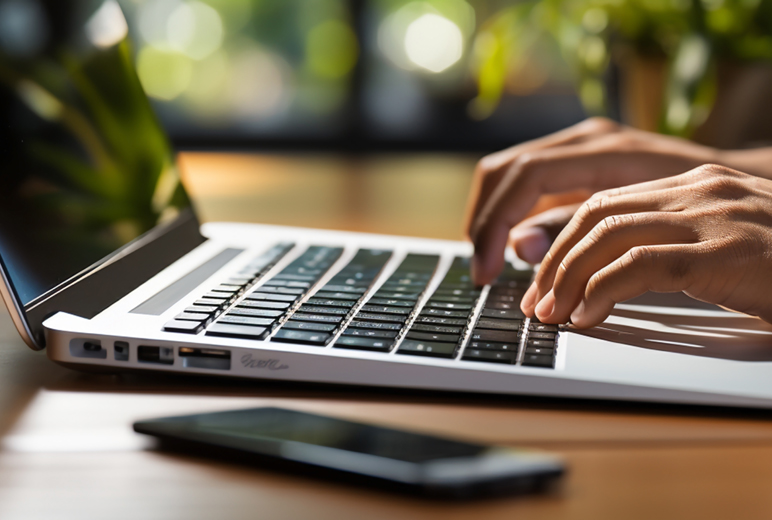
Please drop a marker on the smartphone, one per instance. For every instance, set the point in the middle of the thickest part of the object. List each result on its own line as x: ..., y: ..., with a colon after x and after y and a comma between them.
x: 322, y: 446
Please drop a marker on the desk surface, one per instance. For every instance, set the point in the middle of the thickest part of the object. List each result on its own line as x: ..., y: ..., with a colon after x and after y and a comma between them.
x: 68, y: 451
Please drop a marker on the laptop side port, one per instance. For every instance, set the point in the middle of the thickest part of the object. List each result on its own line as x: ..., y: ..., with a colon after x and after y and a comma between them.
x: 161, y: 355
x: 121, y: 349
x: 205, y: 358
x: 87, y: 348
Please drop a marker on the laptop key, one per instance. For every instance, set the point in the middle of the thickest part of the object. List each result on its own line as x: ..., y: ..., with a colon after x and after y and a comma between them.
x: 301, y: 336
x: 427, y: 348
x: 542, y: 327
x: 262, y: 313
x: 217, y: 296
x: 256, y: 304
x: 410, y: 297
x: 543, y: 343
x: 506, y: 314
x: 318, y: 318
x: 316, y: 309
x: 489, y: 345
x: 307, y: 325
x: 330, y: 303
x: 391, y: 302
x: 435, y: 320
x: 499, y: 336
x: 395, y: 318
x: 344, y: 288
x: 491, y: 356
x: 375, y: 325
x: 450, y: 305
x: 192, y: 316
x: 383, y: 309
x: 280, y: 290
x: 376, y: 344
x: 541, y: 351
x: 247, y: 320
x: 536, y: 360
x: 226, y: 289
x: 532, y: 334
x: 338, y: 295
x: 272, y: 297
x: 230, y: 330
x: 441, y: 329
x: 429, y: 336
x: 491, y: 323
x: 370, y: 333
x: 184, y: 326
x: 208, y: 309
x: 446, y: 313
x: 210, y: 302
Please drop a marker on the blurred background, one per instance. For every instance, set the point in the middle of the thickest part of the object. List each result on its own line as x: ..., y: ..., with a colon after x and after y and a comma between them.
x: 451, y: 75
x: 351, y: 74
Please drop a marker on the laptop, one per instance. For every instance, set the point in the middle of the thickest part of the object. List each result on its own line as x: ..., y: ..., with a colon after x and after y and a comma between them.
x: 106, y: 267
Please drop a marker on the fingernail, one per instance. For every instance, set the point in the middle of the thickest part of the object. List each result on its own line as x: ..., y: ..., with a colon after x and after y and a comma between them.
x: 578, y: 315
x: 546, y: 306
x: 528, y: 298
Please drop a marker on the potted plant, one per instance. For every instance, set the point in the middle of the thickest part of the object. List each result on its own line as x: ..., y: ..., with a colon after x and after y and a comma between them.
x: 694, y: 68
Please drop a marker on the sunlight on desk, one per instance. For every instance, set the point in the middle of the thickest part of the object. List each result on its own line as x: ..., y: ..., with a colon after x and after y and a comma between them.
x: 418, y: 195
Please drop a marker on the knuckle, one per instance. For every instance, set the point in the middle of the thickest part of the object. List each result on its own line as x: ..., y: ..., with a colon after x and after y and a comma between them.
x: 601, y: 124
x: 639, y: 256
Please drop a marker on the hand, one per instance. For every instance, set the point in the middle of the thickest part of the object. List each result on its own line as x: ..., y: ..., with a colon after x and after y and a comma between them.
x: 593, y: 155
x: 707, y: 232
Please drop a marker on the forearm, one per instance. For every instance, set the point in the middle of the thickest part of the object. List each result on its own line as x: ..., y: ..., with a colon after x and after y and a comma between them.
x: 757, y: 161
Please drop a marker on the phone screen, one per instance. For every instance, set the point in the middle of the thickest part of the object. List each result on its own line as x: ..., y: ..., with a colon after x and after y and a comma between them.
x: 399, y: 456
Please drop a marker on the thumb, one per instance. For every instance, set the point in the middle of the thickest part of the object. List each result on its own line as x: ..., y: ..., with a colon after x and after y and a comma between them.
x: 533, y: 237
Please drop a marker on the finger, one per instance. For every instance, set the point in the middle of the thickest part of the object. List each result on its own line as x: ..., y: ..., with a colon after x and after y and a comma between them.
x: 533, y: 237
x: 595, y: 165
x: 664, y: 269
x: 628, y: 201
x: 608, y: 241
x: 493, y: 167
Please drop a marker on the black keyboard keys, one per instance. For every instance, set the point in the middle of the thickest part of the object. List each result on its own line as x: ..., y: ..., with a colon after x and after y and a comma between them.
x: 496, y: 335
x: 437, y: 330
x: 257, y: 314
x: 540, y: 345
x: 378, y: 324
x: 336, y: 299
x: 211, y: 304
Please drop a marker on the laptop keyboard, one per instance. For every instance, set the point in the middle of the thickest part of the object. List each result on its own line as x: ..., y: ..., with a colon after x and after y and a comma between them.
x: 319, y: 318
x: 259, y: 312
x: 378, y: 324
x: 205, y: 309
x: 498, y: 330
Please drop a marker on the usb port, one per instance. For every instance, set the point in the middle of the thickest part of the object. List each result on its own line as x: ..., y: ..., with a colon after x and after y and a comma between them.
x: 162, y: 355
x: 205, y: 358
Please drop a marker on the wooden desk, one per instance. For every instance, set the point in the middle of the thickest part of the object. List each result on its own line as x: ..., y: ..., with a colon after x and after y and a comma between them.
x: 68, y: 450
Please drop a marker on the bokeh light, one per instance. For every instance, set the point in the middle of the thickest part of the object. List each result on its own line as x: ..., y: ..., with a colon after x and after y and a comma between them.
x: 433, y: 42
x: 164, y: 74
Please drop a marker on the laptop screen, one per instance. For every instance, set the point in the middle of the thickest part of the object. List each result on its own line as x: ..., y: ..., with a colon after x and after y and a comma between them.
x: 85, y: 167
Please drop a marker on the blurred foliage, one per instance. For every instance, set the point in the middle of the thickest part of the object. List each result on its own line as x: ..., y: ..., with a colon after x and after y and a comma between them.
x: 690, y: 36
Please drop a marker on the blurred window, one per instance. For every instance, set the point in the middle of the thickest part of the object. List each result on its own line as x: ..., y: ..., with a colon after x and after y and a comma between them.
x: 345, y: 74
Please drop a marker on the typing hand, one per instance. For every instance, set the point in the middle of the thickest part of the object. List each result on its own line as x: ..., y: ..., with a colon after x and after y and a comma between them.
x: 707, y: 232
x: 594, y: 155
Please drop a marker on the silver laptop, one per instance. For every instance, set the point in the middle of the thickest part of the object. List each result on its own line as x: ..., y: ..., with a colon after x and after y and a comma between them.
x: 105, y: 266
